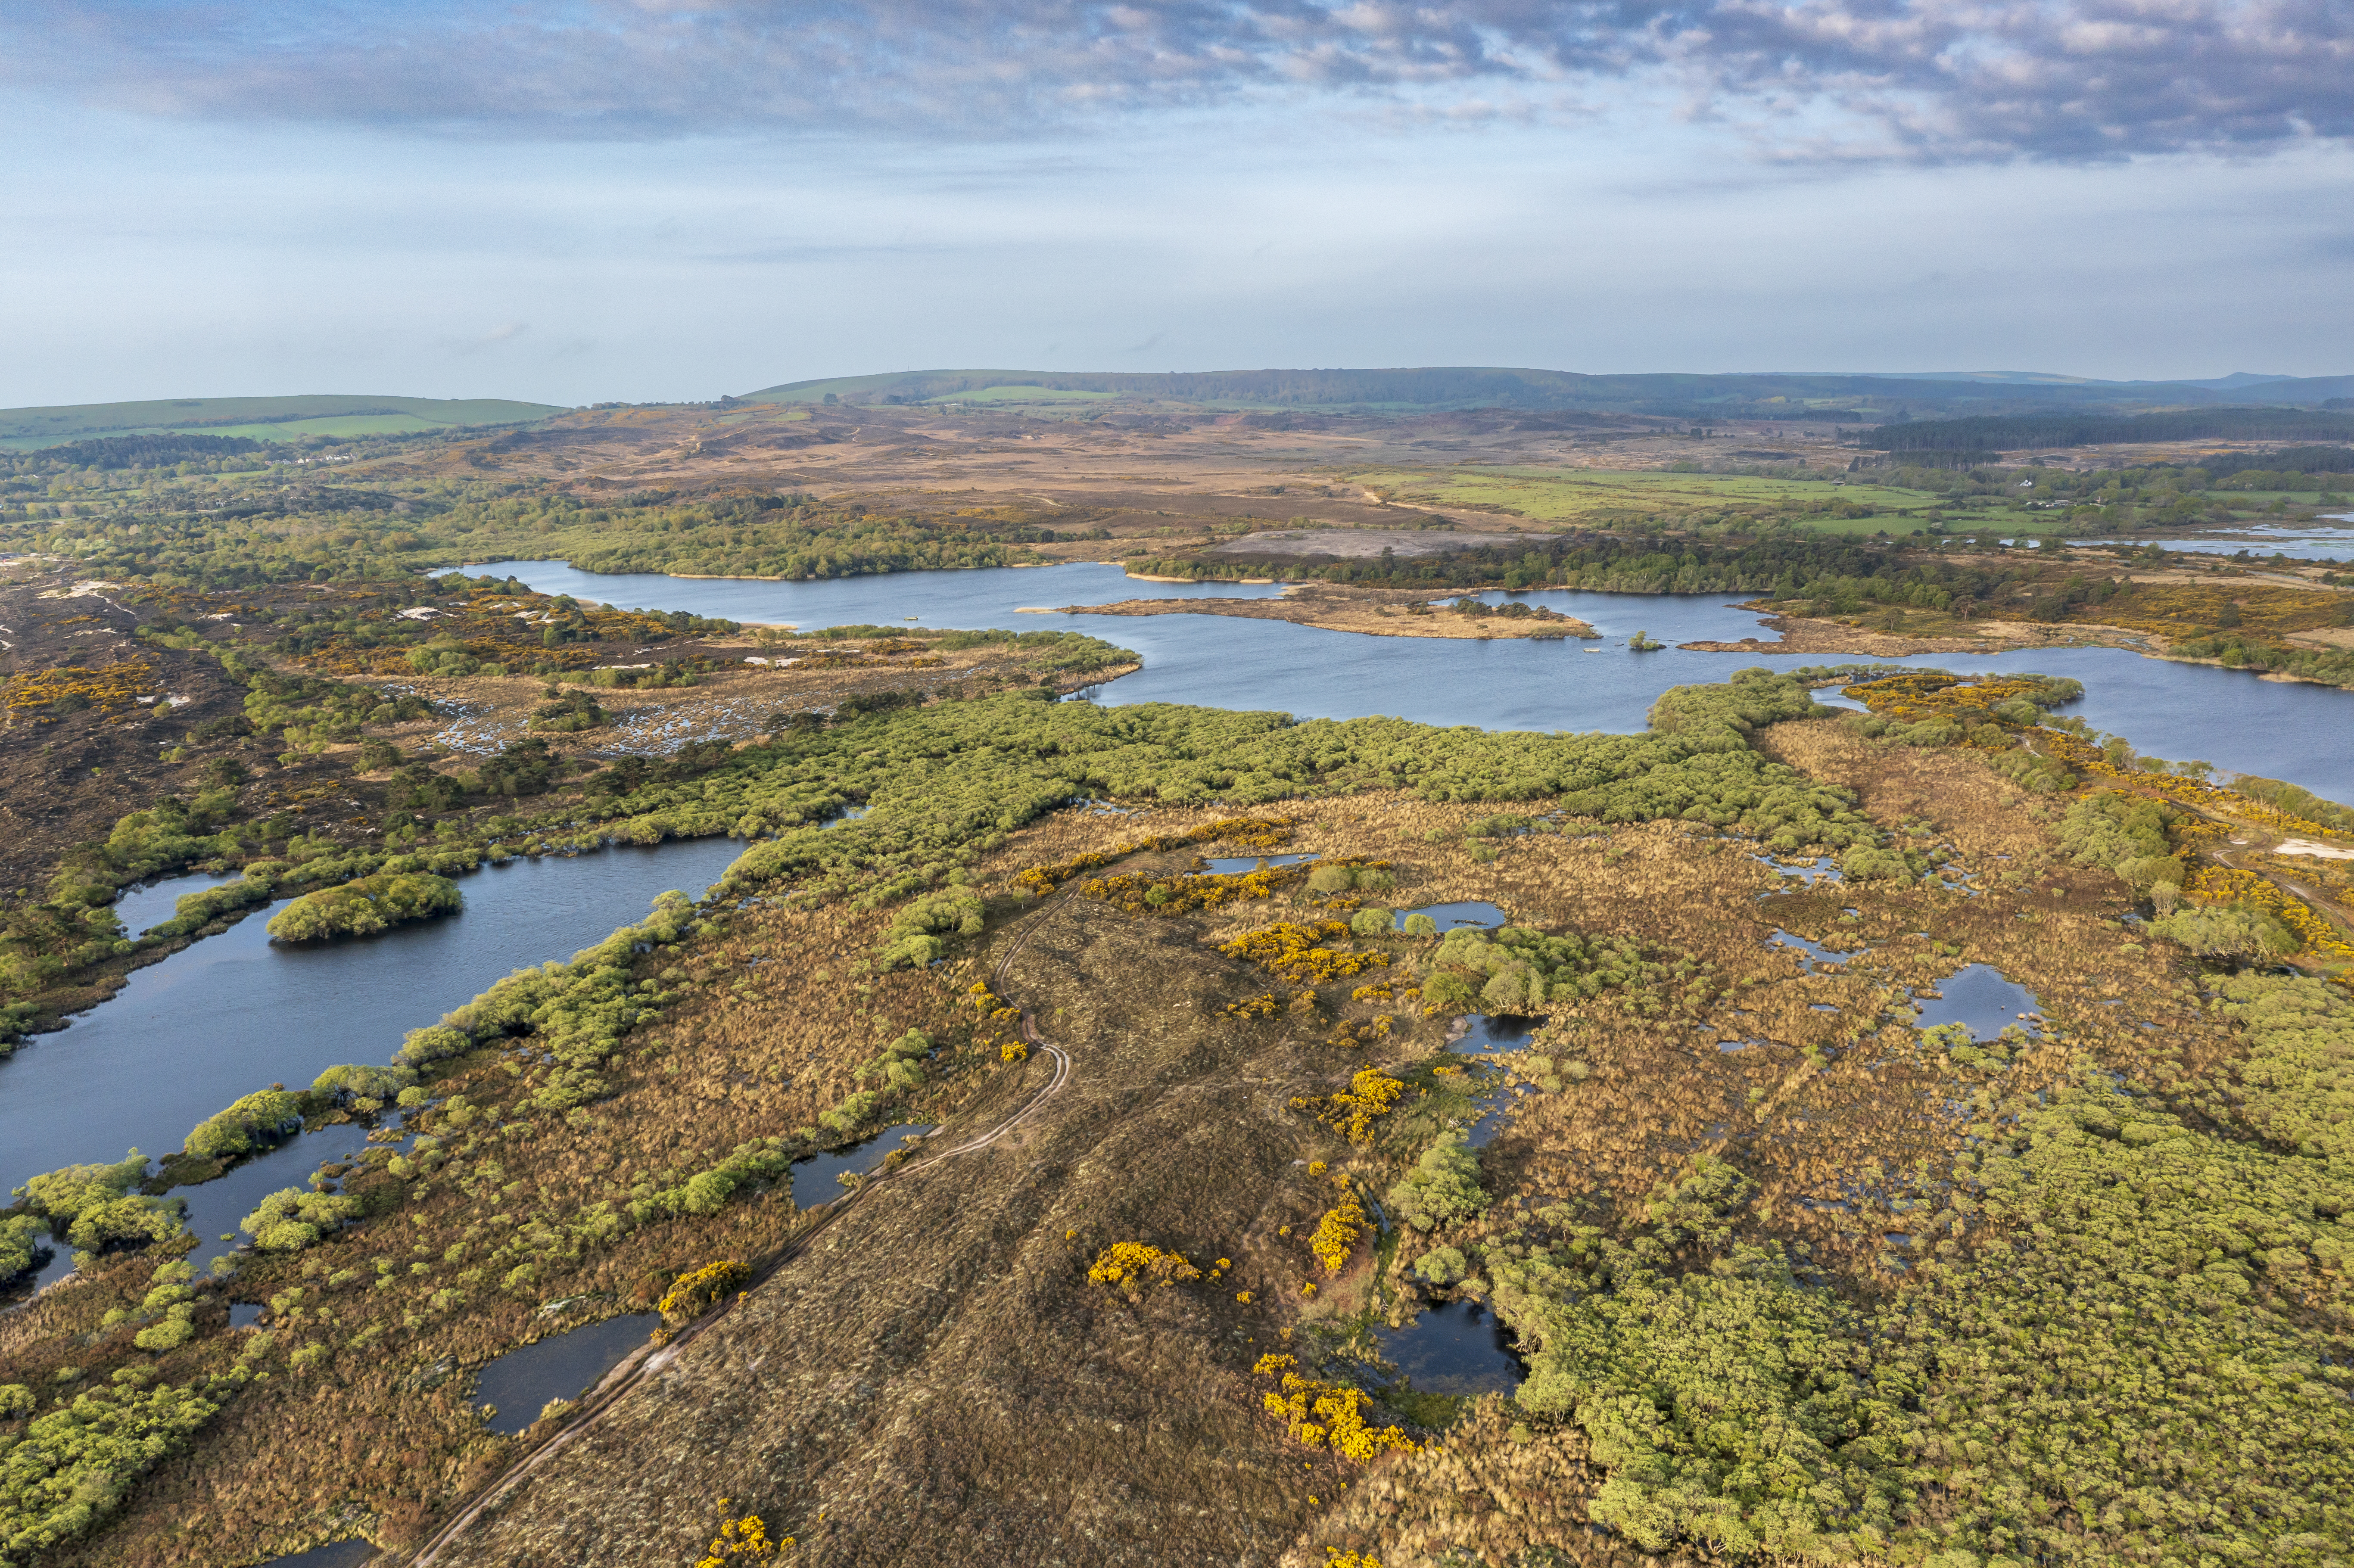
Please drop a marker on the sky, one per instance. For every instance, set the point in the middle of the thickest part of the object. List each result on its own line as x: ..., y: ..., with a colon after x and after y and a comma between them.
x: 580, y: 200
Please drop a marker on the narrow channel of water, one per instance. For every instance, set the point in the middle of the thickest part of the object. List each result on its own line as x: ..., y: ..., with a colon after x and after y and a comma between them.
x: 236, y: 1013
x: 337, y: 1554
x: 152, y: 903
x: 2229, y: 717
x: 818, y: 1180
x: 519, y: 1384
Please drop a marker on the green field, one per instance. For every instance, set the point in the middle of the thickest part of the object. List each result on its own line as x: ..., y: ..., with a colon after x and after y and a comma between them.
x: 1569, y: 495
x: 265, y: 419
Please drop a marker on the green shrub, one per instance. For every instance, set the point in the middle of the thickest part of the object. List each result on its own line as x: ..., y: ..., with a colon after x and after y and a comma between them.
x: 2227, y: 931
x: 361, y: 1082
x: 257, y: 1121
x: 1443, y: 1187
x: 434, y: 1042
x: 20, y: 1241
x: 92, y: 1206
x: 918, y: 933
x: 17, y: 1402
x: 369, y: 905
x: 292, y: 1218
x: 1420, y: 926
x: 72, y: 1467
x: 1370, y: 923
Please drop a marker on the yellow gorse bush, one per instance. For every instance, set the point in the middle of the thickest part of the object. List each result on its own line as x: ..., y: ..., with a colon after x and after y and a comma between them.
x: 1337, y: 1232
x: 694, y: 1293
x: 2221, y: 884
x: 1293, y: 952
x: 1243, y: 832
x: 742, y: 1539
x: 1351, y: 1113
x: 111, y: 689
x: 1340, y: 1412
x: 1260, y: 1006
x: 1122, y: 1262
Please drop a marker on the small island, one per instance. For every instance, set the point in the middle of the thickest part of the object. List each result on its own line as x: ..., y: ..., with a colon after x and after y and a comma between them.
x: 363, y: 907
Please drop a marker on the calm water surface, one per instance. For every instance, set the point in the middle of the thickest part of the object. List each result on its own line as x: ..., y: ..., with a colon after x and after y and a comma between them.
x: 562, y: 1366
x: 2235, y: 720
x: 236, y: 1013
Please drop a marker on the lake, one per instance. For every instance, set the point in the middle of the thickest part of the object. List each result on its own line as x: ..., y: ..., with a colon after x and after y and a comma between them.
x: 2235, y: 720
x: 236, y: 1013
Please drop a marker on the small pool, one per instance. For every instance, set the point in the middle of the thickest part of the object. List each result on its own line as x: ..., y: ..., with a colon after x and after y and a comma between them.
x: 1504, y: 1032
x: 1475, y: 915
x: 335, y: 1554
x: 151, y: 903
x: 1458, y: 1348
x: 814, y: 1178
x: 1981, y: 1001
x: 1809, y: 872
x: 1235, y: 864
x: 562, y: 1366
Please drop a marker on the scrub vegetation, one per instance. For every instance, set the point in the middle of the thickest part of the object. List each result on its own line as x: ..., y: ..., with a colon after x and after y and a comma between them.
x: 1855, y: 1290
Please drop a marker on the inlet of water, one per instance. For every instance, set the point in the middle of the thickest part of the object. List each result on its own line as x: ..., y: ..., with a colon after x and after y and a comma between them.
x: 562, y: 1366
x: 235, y: 1012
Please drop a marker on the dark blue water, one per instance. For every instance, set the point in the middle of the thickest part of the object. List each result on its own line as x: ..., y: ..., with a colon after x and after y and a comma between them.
x: 216, y: 1208
x: 1980, y: 1000
x: 236, y: 1013
x: 816, y: 1180
x: 562, y: 1366
x: 2230, y: 719
x: 1457, y: 1349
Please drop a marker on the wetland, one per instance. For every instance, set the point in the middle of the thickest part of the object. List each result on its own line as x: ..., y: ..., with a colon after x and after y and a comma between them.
x: 1443, y: 1069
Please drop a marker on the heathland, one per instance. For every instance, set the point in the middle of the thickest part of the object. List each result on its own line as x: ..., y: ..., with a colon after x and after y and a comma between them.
x: 1791, y: 1270
x: 1793, y: 1275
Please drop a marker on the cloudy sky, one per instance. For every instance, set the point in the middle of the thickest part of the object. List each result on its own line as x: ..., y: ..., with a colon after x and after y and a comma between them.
x: 575, y: 200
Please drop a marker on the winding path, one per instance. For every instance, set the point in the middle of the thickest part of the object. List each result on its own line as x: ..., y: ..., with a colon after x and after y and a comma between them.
x: 650, y: 1359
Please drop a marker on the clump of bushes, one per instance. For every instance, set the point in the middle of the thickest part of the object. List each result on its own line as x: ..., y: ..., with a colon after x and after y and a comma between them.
x: 92, y: 1206
x: 698, y: 1290
x: 918, y: 934
x: 1443, y: 1185
x: 570, y: 714
x: 370, y: 905
x: 257, y: 1121
x: 292, y: 1219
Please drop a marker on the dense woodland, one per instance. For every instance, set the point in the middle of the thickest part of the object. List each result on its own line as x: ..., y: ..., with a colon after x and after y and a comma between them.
x: 2017, y: 432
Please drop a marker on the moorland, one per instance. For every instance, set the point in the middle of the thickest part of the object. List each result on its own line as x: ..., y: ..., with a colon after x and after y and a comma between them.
x: 1156, y: 1004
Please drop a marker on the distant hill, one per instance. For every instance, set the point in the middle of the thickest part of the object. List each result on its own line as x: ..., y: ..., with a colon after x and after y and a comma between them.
x: 2051, y: 431
x: 262, y: 419
x: 1848, y: 397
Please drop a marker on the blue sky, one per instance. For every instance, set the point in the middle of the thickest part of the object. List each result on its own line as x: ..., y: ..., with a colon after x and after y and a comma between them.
x: 677, y: 198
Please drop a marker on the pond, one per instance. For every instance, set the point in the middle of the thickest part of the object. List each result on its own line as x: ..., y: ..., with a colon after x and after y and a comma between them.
x: 216, y: 1208
x: 2231, y: 718
x: 338, y: 1554
x: 1980, y: 1000
x: 236, y: 1013
x: 1457, y: 1348
x: 1475, y: 915
x: 817, y: 1180
x: 562, y: 1366
x: 1228, y: 866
